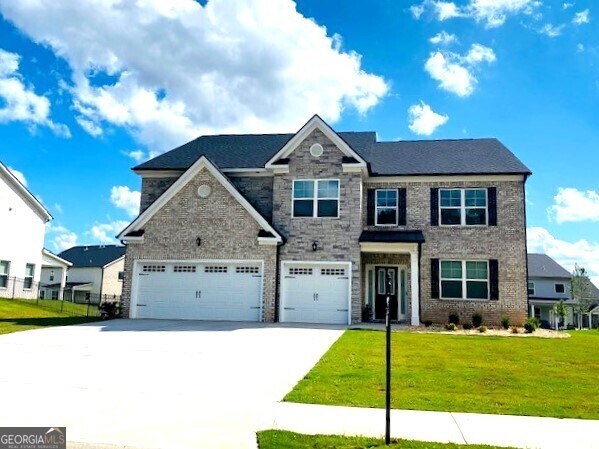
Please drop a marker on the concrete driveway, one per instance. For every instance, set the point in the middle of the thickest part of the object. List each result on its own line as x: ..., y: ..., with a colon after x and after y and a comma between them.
x: 155, y: 384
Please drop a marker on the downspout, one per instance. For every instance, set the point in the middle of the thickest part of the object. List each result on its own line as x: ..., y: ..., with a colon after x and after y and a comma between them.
x: 276, y: 320
x: 525, y: 242
x: 419, y: 281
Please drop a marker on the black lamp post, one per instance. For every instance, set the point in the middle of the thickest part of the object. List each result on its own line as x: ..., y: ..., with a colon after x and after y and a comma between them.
x: 388, y: 371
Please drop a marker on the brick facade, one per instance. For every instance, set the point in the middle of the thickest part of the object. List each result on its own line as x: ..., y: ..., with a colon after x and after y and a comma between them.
x: 337, y: 237
x: 227, y: 231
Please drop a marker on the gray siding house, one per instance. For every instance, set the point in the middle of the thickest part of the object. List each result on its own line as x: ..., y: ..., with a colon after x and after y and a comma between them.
x: 312, y: 226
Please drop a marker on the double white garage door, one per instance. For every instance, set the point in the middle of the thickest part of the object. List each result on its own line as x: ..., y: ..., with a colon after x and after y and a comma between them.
x: 232, y: 291
x: 199, y: 291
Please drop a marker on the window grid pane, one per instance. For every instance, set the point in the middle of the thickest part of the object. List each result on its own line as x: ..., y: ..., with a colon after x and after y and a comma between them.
x: 477, y: 290
x: 303, y: 208
x: 476, y: 270
x: 4, y: 267
x: 476, y: 198
x: 328, y: 189
x: 451, y: 198
x: 303, y: 189
x: 451, y: 269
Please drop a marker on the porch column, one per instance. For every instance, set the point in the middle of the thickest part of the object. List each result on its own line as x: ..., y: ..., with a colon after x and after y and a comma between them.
x: 415, y: 295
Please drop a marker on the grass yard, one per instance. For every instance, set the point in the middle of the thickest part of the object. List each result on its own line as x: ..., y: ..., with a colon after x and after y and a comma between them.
x: 17, y: 315
x: 280, y: 439
x: 502, y: 375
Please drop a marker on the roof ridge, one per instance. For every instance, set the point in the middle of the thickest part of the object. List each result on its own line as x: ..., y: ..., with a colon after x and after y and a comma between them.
x: 439, y: 140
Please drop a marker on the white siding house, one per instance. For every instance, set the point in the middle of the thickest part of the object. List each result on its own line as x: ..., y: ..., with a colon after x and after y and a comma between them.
x: 22, y: 227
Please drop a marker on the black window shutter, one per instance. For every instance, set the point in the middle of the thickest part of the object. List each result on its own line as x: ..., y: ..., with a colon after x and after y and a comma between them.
x: 401, y: 207
x: 494, y: 279
x: 492, y: 197
x: 435, y: 278
x: 370, y: 208
x: 434, y: 206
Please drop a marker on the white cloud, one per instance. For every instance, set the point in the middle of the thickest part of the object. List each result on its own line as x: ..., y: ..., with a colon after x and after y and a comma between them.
x: 454, y: 71
x: 446, y: 10
x: 125, y: 198
x: 550, y: 30
x: 137, y: 155
x: 575, y: 205
x: 88, y: 126
x: 19, y: 175
x: 423, y: 120
x: 492, y: 13
x: 443, y: 38
x: 579, y: 48
x: 106, y: 232
x: 566, y: 253
x: 417, y: 10
x: 20, y: 102
x: 58, y: 208
x: 479, y: 53
x: 581, y: 17
x: 60, y: 237
x: 233, y: 65
x: 567, y: 5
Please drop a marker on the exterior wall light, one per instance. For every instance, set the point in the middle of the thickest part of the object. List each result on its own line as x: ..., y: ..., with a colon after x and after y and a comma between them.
x: 198, y: 241
x: 314, y: 246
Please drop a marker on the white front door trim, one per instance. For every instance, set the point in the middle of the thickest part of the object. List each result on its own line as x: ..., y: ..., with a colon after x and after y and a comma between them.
x: 313, y: 262
x: 400, y: 267
x: 135, y: 280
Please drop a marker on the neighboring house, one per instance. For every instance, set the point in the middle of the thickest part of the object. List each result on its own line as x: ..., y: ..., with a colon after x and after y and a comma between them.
x: 308, y: 227
x: 96, y: 274
x: 23, y: 221
x: 548, y: 282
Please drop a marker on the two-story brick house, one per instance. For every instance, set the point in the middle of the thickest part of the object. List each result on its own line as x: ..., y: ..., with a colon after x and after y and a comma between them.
x: 309, y: 227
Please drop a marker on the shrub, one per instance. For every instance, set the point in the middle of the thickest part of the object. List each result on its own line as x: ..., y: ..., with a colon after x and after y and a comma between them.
x: 570, y: 327
x: 515, y: 330
x: 531, y: 325
x: 482, y: 329
x: 427, y: 323
x: 450, y: 327
x: 505, y: 322
x: 477, y: 319
x: 467, y: 326
x: 454, y: 318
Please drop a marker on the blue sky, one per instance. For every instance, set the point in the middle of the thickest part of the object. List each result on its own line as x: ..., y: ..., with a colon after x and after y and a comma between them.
x: 89, y: 90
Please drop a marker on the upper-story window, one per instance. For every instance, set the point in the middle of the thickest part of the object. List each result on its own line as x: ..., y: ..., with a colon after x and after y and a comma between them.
x: 316, y: 198
x: 560, y: 288
x: 465, y: 207
x: 386, y: 207
x: 531, y: 288
x: 29, y: 270
x: 4, y: 272
x: 51, y: 275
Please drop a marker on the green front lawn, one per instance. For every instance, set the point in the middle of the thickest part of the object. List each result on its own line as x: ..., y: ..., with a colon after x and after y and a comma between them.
x: 17, y: 315
x: 280, y: 439
x: 502, y: 375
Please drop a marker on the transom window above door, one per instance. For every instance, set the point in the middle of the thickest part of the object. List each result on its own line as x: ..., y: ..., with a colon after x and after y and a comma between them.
x: 386, y: 207
x: 316, y: 198
x: 465, y: 207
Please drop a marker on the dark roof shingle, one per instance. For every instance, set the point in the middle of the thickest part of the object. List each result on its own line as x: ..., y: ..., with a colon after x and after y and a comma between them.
x: 423, y: 157
x: 93, y: 255
x: 543, y: 266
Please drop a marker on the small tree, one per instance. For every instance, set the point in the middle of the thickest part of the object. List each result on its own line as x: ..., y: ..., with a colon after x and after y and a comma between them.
x: 581, y: 291
x: 560, y: 310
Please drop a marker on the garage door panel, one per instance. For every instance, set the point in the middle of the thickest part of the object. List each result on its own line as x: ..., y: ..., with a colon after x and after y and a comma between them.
x: 201, y: 291
x: 316, y: 293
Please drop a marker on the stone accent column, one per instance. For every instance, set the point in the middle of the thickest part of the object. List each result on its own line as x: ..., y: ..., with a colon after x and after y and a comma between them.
x: 415, y: 294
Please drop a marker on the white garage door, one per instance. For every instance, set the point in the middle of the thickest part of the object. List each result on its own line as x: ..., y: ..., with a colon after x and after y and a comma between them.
x: 315, y: 293
x: 199, y: 291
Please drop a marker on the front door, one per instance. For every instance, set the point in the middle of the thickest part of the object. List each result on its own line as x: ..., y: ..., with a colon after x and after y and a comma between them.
x: 381, y: 274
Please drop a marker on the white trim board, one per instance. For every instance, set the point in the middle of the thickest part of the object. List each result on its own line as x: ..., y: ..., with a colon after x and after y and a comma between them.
x: 199, y: 165
x: 54, y: 257
x: 315, y: 123
x: 24, y: 193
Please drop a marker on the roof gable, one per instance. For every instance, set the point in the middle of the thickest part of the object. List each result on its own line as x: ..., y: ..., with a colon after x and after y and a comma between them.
x: 315, y: 123
x: 128, y: 234
x: 24, y: 193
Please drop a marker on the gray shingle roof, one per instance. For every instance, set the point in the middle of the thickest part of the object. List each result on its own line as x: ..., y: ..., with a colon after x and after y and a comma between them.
x: 423, y: 157
x: 93, y: 255
x: 543, y: 266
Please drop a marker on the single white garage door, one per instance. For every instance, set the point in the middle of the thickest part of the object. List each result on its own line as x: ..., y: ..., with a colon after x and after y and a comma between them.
x: 199, y: 291
x: 315, y: 293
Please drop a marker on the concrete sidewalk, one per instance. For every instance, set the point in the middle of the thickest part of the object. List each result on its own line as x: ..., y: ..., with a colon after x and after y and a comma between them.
x: 444, y: 427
